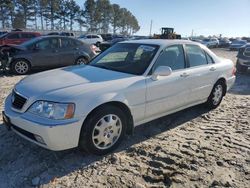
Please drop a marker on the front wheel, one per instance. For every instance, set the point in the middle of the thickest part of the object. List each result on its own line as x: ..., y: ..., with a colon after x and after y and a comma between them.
x: 20, y: 66
x: 216, y: 95
x: 103, y: 130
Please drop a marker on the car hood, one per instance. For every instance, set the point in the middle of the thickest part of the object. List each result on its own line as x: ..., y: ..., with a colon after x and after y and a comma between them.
x: 18, y: 47
x: 69, y: 82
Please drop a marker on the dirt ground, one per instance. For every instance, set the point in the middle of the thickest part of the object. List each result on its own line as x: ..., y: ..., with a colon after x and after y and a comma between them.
x: 191, y: 148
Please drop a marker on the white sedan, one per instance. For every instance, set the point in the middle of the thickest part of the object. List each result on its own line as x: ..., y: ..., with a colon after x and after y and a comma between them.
x: 93, y: 106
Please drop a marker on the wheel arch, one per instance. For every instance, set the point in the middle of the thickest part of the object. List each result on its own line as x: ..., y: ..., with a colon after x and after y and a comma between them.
x: 123, y: 107
x: 223, y: 80
x: 20, y: 58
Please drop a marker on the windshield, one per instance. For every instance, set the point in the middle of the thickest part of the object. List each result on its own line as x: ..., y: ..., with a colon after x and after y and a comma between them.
x: 128, y: 58
x: 30, y: 42
x: 3, y: 35
x: 239, y: 42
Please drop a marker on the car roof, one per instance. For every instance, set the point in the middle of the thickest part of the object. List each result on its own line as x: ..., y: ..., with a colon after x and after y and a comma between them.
x: 161, y: 42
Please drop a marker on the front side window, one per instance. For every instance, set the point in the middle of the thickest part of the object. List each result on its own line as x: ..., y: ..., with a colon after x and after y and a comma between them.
x: 47, y: 44
x: 129, y: 58
x: 209, y: 59
x: 172, y: 57
x: 196, y: 56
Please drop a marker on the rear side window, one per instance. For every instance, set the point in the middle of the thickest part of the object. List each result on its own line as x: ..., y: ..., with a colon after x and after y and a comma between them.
x: 13, y: 36
x: 172, y: 57
x: 196, y: 56
x: 89, y: 37
x: 247, y: 52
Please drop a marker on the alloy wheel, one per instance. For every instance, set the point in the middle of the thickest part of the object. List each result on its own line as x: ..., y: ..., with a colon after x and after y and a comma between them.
x: 107, y: 131
x: 21, y: 67
x: 217, y: 94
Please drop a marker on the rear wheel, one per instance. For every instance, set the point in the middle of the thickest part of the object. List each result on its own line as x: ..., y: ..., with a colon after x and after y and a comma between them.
x: 81, y: 61
x: 216, y: 95
x: 103, y: 130
x: 20, y: 66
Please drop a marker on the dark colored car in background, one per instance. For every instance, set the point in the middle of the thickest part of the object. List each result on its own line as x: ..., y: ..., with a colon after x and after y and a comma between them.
x: 68, y: 34
x: 48, y: 51
x: 224, y: 43
x: 17, y: 37
x: 107, y: 44
x: 237, y: 44
x: 243, y: 59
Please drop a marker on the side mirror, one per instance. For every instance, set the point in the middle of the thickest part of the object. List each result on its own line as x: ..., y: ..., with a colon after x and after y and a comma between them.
x: 161, y: 71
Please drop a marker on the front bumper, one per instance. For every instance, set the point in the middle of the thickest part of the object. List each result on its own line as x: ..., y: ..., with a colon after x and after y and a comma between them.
x: 55, y: 135
x: 243, y: 62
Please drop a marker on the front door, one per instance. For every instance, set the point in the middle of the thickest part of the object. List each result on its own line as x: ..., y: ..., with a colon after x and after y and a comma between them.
x: 168, y: 93
x: 45, y: 53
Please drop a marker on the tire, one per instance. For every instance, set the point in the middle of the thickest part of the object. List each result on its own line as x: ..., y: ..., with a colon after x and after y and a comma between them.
x: 20, y: 67
x: 98, y: 44
x: 98, y: 133
x: 216, y: 95
x: 81, y: 61
x: 240, y: 68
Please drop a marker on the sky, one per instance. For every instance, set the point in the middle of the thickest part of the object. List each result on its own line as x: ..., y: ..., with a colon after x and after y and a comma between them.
x: 231, y: 18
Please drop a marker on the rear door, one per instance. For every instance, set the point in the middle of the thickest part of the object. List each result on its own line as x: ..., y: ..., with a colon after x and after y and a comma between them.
x: 201, y: 73
x: 46, y: 53
x: 67, y: 52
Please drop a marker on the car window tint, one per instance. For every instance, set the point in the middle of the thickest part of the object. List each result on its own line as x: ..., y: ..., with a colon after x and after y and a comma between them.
x: 247, y: 52
x: 47, y: 44
x: 44, y: 44
x: 89, y: 37
x: 121, y: 57
x: 67, y: 43
x: 27, y: 35
x: 54, y: 43
x: 172, y: 57
x: 209, y: 59
x: 13, y: 36
x: 196, y: 55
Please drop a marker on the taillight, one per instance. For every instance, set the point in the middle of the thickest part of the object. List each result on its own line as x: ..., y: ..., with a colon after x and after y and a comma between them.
x: 234, y: 71
x: 93, y: 48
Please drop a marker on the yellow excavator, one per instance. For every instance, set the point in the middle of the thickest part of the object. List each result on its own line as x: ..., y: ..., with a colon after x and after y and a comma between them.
x: 167, y: 33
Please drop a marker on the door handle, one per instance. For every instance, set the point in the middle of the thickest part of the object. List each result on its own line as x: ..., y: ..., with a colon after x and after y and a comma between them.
x: 184, y: 75
x: 212, y: 69
x: 55, y: 51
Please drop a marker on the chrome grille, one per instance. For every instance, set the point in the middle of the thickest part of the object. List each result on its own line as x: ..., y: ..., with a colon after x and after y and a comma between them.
x: 17, y: 100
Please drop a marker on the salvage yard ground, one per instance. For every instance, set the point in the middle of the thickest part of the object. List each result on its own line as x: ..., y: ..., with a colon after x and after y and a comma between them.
x: 191, y: 148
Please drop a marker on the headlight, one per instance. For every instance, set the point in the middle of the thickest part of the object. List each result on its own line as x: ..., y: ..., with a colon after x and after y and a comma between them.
x: 53, y: 110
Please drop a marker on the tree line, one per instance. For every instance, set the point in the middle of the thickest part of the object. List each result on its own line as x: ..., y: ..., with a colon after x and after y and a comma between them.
x: 98, y: 16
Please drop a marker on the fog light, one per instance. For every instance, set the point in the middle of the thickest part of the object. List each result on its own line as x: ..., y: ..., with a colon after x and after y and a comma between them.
x: 39, y: 139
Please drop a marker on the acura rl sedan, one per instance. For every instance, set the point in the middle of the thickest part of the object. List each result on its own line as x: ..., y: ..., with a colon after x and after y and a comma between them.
x: 93, y: 106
